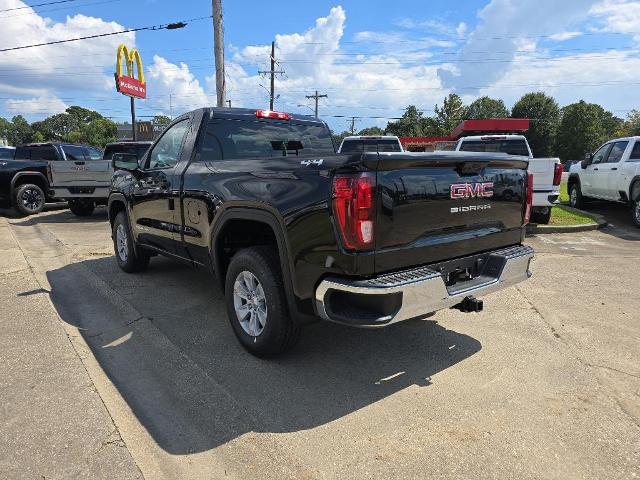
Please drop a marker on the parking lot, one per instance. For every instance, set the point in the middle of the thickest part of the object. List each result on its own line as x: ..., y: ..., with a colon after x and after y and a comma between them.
x: 141, y: 375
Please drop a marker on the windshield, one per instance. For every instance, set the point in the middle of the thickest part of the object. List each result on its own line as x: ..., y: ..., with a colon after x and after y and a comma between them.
x: 497, y: 145
x: 370, y: 145
x: 6, y: 153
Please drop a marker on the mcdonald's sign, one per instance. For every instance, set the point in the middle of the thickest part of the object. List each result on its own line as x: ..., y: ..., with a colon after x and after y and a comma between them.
x: 128, y: 84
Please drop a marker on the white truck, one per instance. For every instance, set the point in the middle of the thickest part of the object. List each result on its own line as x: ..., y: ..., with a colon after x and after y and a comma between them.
x: 547, y: 172
x: 370, y: 143
x: 612, y: 173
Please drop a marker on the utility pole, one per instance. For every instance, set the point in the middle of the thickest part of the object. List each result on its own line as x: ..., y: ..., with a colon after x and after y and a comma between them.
x: 229, y: 102
x: 272, y: 73
x: 218, y: 46
x: 316, y: 97
x: 353, y: 124
x: 133, y: 120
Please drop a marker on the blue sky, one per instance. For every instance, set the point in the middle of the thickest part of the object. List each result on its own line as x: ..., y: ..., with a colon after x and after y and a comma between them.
x: 372, y: 58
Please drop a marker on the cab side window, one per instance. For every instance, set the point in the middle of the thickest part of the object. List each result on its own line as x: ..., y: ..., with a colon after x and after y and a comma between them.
x: 615, y: 155
x: 73, y: 153
x: 166, y: 153
x: 601, y: 155
x: 635, y: 153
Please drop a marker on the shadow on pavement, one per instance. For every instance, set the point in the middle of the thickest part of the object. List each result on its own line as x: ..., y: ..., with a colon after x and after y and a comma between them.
x: 618, y: 217
x: 175, y: 361
x: 58, y: 214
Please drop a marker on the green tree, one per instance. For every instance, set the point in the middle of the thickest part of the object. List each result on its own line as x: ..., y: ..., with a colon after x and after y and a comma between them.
x: 581, y: 130
x: 83, y: 115
x: 19, y: 131
x: 449, y: 116
x: 371, y: 131
x: 337, y: 138
x: 611, y: 124
x: 544, y: 114
x: 161, y: 120
x: 38, y: 137
x: 411, y: 124
x: 631, y: 126
x: 5, y: 128
x: 486, y: 107
x: 98, y: 132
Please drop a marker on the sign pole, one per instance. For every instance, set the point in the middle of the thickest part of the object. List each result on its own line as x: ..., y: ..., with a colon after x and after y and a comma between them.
x: 133, y: 118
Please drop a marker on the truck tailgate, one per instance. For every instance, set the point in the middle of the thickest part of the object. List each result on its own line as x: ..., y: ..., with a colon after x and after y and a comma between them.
x: 434, y: 207
x: 81, y: 173
x: 543, y: 170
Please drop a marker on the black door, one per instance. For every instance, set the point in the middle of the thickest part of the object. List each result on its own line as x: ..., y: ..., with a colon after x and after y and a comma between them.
x: 156, y: 221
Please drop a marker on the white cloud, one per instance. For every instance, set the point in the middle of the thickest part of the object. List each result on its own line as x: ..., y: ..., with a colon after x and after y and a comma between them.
x: 40, y: 106
x: 461, y: 29
x: 563, y: 36
x: 509, y: 27
x: 175, y: 89
x: 619, y: 16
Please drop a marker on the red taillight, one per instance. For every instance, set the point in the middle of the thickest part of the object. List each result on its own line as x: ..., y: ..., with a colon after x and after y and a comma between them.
x: 354, y: 210
x: 272, y: 114
x: 557, y: 174
x: 527, y: 212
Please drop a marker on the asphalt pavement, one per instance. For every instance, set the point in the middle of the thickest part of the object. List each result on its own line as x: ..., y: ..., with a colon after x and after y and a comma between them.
x: 545, y: 383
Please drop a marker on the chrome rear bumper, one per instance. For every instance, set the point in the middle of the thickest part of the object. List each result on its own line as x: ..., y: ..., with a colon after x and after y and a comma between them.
x: 413, y: 293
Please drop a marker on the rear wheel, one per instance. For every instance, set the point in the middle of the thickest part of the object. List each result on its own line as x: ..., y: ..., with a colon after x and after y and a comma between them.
x: 123, y: 244
x: 541, y: 217
x: 257, y: 304
x: 30, y: 199
x: 576, y: 200
x: 81, y: 207
x: 635, y: 212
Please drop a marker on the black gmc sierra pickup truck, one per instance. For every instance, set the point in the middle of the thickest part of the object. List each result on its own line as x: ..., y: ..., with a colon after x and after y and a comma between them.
x: 290, y: 228
x: 24, y: 184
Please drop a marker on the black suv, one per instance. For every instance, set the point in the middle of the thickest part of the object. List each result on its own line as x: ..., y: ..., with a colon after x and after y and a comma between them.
x: 292, y: 229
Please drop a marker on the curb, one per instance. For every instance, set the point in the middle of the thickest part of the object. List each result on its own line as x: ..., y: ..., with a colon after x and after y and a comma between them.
x: 600, y: 223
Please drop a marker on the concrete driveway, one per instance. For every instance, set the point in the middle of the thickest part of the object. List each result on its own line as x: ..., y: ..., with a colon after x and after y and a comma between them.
x: 545, y: 383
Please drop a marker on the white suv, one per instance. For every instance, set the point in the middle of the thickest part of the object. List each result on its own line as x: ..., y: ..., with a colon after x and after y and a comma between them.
x: 612, y: 173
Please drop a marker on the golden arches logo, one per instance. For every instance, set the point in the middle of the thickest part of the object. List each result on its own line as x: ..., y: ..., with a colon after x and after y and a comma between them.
x: 128, y: 84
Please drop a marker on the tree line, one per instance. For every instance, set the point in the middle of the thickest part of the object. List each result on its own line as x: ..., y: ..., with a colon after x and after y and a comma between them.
x: 567, y: 132
x: 75, y: 125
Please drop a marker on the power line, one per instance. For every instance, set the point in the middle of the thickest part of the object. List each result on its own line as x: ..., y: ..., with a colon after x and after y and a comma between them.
x: 56, y: 9
x: 316, y: 97
x: 37, y: 5
x: 164, y: 26
x: 272, y: 75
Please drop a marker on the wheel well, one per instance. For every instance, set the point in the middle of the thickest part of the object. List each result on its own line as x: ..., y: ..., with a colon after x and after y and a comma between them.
x: 33, y: 179
x: 115, y: 208
x: 237, y: 234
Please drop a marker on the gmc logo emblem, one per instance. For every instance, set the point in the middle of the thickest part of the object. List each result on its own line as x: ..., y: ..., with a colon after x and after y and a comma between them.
x: 472, y: 190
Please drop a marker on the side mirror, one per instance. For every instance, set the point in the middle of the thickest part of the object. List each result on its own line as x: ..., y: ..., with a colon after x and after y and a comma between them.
x: 588, y: 158
x: 125, y: 161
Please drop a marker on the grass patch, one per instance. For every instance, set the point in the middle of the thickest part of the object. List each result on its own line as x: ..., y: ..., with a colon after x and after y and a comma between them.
x: 563, y: 216
x: 564, y: 193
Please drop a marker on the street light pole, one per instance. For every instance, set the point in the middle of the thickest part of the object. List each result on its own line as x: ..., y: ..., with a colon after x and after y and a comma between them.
x: 133, y: 119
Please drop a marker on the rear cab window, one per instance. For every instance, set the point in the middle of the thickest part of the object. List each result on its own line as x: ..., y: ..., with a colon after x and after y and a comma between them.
x: 37, y: 152
x: 635, y: 153
x: 228, y: 139
x: 495, y: 145
x: 372, y: 145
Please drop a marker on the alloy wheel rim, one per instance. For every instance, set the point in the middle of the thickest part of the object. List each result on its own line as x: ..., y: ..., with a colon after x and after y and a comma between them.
x: 31, y: 199
x: 121, y: 243
x: 574, y: 197
x: 637, y: 212
x: 250, y: 303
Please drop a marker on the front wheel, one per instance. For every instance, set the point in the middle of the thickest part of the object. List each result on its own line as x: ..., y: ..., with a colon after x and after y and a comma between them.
x: 81, y: 207
x: 29, y: 200
x: 257, y: 304
x: 128, y: 259
x: 576, y: 200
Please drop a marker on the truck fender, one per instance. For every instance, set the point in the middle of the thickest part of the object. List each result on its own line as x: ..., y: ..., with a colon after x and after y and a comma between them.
x: 275, y: 222
x: 29, y: 173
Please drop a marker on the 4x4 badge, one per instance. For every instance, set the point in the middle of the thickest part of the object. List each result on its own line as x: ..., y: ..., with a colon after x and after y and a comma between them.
x: 312, y: 162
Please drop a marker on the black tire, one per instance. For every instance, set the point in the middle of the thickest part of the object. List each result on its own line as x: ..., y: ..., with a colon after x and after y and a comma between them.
x: 82, y: 207
x: 280, y: 332
x: 29, y: 199
x: 635, y: 212
x: 541, y: 218
x: 128, y: 259
x: 576, y: 200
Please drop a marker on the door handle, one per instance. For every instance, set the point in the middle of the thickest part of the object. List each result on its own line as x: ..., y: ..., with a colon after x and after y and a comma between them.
x: 595, y: 169
x: 614, y: 168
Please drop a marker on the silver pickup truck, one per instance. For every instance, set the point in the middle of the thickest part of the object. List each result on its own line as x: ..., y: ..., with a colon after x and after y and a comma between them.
x: 79, y: 174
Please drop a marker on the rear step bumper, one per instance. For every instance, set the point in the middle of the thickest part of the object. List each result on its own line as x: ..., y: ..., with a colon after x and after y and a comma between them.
x: 398, y: 296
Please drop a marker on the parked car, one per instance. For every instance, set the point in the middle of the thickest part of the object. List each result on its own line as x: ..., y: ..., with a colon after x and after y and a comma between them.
x: 77, y: 173
x: 291, y: 228
x: 359, y: 144
x: 547, y: 172
x: 612, y: 173
x: 24, y: 185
